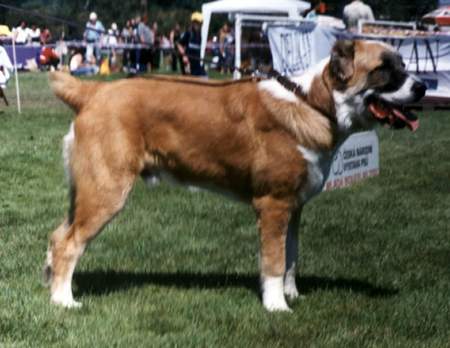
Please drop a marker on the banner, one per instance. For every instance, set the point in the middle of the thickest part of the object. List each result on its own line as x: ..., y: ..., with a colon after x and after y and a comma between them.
x: 295, y: 47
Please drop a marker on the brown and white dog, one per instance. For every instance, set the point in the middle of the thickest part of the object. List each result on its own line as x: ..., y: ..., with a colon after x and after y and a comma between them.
x: 258, y: 141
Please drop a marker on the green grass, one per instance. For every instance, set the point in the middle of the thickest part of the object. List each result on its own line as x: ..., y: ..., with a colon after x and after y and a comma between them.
x: 180, y: 269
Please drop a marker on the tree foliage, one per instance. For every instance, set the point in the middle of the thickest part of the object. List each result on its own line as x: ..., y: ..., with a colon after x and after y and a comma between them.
x: 166, y: 12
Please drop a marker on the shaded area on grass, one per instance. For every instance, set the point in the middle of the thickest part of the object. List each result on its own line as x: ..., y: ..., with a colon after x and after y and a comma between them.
x: 104, y: 282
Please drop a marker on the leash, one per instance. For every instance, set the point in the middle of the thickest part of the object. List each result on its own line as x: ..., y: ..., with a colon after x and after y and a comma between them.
x: 287, y: 83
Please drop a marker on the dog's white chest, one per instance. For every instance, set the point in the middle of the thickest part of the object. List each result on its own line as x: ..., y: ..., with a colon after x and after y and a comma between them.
x: 318, y: 168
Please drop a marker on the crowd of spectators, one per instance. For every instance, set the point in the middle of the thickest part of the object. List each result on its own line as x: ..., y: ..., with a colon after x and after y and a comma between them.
x: 136, y: 47
x: 25, y: 35
x: 145, y: 47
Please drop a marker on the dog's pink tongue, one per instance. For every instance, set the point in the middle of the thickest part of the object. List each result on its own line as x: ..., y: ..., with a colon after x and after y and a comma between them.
x: 378, y: 111
x: 413, y: 125
x: 388, y: 114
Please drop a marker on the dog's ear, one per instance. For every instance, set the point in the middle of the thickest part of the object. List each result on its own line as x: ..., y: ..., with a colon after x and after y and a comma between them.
x: 341, y: 61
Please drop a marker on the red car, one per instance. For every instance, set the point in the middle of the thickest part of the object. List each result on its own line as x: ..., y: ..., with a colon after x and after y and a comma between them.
x: 440, y: 17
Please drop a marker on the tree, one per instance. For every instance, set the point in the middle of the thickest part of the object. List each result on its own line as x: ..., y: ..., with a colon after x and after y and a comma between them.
x: 167, y: 12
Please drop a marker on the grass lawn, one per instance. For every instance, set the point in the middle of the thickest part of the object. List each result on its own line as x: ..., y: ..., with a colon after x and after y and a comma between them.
x: 180, y: 269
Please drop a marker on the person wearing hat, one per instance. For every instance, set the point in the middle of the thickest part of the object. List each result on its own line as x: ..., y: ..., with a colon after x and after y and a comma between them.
x: 92, y: 35
x: 189, y: 47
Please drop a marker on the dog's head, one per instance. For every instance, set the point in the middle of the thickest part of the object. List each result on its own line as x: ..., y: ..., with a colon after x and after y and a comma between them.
x: 370, y: 83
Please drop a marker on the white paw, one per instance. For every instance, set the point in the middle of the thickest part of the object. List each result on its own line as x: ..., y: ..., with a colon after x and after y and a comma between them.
x: 273, y: 296
x: 290, y: 290
x: 65, y: 300
x: 276, y: 306
x: 66, y: 303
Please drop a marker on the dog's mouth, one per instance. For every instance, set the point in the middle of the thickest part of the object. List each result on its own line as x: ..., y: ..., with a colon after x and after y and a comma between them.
x: 395, y: 116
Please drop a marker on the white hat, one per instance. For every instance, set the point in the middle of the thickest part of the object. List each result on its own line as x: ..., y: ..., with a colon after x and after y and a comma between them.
x: 114, y: 26
x: 93, y: 16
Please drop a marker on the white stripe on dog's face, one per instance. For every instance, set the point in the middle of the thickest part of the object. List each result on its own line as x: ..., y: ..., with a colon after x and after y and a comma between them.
x: 403, y: 95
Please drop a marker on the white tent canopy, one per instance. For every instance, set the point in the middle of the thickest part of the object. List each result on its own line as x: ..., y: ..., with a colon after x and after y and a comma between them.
x: 290, y: 8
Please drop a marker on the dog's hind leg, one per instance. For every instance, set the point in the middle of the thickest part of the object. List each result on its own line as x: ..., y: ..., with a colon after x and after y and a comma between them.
x: 96, y: 203
x: 48, y: 266
x: 101, y: 175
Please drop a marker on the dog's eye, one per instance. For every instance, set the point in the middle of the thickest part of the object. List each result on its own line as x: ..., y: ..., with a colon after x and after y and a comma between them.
x: 380, y: 77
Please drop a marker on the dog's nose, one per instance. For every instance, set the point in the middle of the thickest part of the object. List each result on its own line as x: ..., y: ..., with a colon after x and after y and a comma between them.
x: 419, y: 88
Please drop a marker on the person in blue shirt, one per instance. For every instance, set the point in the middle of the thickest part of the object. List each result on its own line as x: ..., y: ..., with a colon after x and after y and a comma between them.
x: 92, y: 35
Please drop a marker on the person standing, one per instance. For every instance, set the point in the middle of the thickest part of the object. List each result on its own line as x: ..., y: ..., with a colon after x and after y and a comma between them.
x: 174, y: 37
x: 135, y: 53
x: 22, y: 34
x: 146, y: 39
x: 35, y: 34
x: 189, y: 47
x: 127, y: 39
x: 226, y: 41
x: 354, y: 12
x: 46, y: 36
x: 156, y: 47
x: 93, y: 35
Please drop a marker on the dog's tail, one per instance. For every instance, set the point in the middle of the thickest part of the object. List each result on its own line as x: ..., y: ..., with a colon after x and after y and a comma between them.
x: 72, y: 91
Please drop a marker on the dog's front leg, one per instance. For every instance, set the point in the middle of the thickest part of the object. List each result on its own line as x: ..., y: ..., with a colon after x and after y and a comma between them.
x: 290, y: 288
x: 273, y: 220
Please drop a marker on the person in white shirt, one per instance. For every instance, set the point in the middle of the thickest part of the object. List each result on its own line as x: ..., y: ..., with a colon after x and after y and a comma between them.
x: 35, y: 34
x: 22, y: 34
x: 356, y: 11
x: 6, y: 67
x: 5, y: 72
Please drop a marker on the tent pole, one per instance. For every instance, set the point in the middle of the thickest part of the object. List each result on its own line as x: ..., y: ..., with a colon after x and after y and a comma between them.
x: 204, y: 31
x: 16, y: 75
x: 238, y: 41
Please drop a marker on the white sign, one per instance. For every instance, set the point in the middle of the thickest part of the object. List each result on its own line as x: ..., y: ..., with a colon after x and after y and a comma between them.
x: 355, y: 160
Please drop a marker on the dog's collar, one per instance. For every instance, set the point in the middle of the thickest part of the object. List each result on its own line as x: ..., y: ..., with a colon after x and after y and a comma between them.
x: 288, y: 84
